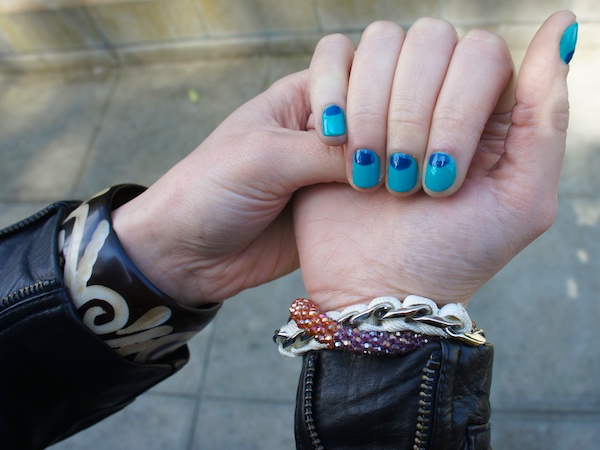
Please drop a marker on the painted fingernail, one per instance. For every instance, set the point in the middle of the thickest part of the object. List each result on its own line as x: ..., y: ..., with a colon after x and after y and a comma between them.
x: 402, y: 172
x: 568, y: 42
x: 365, y: 169
x: 334, y: 121
x: 441, y: 172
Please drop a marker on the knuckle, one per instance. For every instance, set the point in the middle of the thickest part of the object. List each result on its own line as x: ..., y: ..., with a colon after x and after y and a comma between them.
x: 432, y: 36
x: 407, y: 111
x: 535, y: 214
x: 366, y: 113
x: 383, y: 30
x: 258, y: 139
x: 486, y: 44
x: 484, y: 36
x: 542, y: 111
x: 433, y: 28
x: 543, y: 217
x: 448, y: 121
x: 333, y: 43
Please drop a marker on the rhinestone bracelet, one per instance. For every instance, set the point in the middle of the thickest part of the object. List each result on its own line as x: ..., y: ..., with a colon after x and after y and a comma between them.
x: 386, y: 326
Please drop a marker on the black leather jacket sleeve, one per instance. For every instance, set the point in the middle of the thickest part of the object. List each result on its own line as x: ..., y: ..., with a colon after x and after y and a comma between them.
x: 56, y: 376
x: 436, y: 397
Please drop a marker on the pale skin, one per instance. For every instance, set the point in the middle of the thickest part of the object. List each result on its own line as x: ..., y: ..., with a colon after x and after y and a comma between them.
x: 267, y: 192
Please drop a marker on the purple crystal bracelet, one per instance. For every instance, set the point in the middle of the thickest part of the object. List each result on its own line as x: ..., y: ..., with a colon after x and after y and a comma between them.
x: 339, y: 336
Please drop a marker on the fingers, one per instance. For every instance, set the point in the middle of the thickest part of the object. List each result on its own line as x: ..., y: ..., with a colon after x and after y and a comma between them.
x: 404, y: 110
x: 368, y: 102
x: 416, y: 119
x: 351, y: 94
x: 417, y: 83
x: 330, y: 67
x: 477, y: 78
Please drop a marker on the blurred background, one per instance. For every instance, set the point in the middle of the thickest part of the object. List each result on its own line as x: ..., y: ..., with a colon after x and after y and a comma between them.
x: 99, y: 92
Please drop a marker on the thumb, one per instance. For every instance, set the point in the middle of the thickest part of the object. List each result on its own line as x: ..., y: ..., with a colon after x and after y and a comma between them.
x: 295, y: 159
x: 536, y: 140
x: 289, y: 154
x: 265, y: 143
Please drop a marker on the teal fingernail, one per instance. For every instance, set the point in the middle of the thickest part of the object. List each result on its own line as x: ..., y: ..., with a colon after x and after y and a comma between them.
x: 402, y: 172
x: 365, y: 169
x: 333, y: 120
x: 441, y: 172
x: 568, y: 42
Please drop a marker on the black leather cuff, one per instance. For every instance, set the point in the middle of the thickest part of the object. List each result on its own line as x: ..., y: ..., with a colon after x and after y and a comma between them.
x: 436, y: 397
x: 113, y: 298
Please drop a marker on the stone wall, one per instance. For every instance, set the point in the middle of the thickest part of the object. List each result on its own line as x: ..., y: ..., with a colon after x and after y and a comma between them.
x: 63, y: 33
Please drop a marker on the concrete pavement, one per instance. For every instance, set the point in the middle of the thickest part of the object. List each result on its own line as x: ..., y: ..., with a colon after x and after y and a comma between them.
x: 68, y: 135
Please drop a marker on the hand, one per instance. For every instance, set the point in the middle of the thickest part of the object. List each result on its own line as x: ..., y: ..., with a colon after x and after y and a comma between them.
x: 219, y: 221
x: 506, y: 143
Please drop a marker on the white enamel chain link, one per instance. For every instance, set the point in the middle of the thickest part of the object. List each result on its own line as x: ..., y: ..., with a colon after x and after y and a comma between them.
x: 417, y: 314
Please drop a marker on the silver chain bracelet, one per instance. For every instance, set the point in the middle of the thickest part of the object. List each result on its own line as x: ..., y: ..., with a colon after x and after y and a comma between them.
x: 385, y: 326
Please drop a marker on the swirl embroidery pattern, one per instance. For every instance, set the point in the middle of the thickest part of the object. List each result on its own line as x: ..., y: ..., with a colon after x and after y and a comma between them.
x: 144, y: 338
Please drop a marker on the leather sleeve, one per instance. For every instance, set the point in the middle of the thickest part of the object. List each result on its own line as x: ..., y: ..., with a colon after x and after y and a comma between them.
x: 436, y: 397
x: 56, y: 376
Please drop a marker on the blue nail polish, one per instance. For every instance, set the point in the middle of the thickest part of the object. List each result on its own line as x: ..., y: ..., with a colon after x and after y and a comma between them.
x: 365, y: 169
x: 334, y: 122
x: 402, y: 172
x: 568, y: 42
x: 441, y: 172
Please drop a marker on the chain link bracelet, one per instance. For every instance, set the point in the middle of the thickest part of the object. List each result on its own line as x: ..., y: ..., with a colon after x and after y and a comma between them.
x: 386, y: 326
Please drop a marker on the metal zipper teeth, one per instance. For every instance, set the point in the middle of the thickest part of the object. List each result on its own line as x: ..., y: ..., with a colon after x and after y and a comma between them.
x: 40, y: 286
x: 28, y: 291
x: 37, y: 216
x: 308, y: 398
x: 29, y: 220
x: 428, y: 378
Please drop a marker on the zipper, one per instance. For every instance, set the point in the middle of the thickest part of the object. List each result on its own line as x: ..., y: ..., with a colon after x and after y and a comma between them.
x: 28, y: 221
x: 28, y: 291
x: 37, y: 216
x: 308, y: 405
x: 426, y: 399
x: 38, y: 287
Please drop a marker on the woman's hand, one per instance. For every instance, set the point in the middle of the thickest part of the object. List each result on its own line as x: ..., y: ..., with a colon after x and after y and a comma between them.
x: 219, y: 221
x: 427, y: 111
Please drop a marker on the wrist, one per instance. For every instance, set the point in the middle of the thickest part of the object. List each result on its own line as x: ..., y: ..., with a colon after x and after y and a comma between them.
x: 144, y: 231
x: 112, y: 296
x: 338, y: 300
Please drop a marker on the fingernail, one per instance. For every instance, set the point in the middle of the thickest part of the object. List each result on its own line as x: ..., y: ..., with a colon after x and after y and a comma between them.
x: 441, y: 172
x: 334, y: 122
x: 402, y: 172
x: 365, y: 170
x: 568, y: 42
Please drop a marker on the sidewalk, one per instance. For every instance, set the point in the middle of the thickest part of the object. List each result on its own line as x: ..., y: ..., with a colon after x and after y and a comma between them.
x: 68, y: 136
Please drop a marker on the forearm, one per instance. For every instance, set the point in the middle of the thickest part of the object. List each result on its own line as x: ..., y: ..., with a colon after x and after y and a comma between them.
x: 58, y: 376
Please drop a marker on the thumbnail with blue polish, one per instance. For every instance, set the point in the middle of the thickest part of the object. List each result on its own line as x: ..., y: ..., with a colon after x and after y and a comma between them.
x: 568, y: 42
x: 334, y: 122
x: 402, y: 173
x: 365, y: 169
x: 441, y: 172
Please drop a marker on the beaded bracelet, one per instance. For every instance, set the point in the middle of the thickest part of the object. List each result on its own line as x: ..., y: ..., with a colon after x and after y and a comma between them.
x: 113, y: 298
x: 386, y: 326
